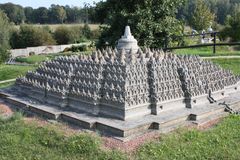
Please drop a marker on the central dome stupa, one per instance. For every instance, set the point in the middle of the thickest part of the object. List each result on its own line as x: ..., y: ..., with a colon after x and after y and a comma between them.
x: 127, y: 42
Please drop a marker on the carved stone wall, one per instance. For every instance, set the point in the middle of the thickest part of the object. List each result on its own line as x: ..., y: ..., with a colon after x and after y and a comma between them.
x: 121, y: 85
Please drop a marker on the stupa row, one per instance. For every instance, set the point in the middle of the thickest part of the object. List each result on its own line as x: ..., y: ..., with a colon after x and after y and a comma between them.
x: 127, y: 84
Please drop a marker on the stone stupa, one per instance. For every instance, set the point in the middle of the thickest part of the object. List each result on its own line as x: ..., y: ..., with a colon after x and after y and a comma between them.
x: 127, y: 42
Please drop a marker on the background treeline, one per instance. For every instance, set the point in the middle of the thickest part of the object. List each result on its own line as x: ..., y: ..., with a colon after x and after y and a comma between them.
x: 151, y: 22
x: 55, y: 14
x: 220, y: 8
x: 31, y: 36
x: 98, y: 13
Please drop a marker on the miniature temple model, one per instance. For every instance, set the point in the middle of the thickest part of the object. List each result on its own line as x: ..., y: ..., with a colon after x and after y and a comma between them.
x: 127, y: 83
x: 109, y: 83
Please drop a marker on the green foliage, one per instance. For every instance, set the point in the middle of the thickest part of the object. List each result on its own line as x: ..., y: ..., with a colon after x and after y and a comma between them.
x: 86, y: 31
x: 41, y: 15
x: 220, y: 142
x: 63, y: 35
x: 69, y: 35
x: 151, y: 21
x: 232, y: 28
x: 202, y: 17
x: 221, y: 9
x: 57, y: 13
x: 80, y: 48
x: 14, y: 12
x: 29, y: 36
x: 4, y: 37
x: 28, y: 11
x: 13, y: 71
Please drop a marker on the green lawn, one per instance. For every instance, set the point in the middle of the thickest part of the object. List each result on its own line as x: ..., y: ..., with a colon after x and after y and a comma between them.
x: 37, y: 59
x: 208, y: 51
x: 221, y: 142
x: 232, y: 64
x: 19, y: 140
x: 6, y: 85
x: 13, y: 71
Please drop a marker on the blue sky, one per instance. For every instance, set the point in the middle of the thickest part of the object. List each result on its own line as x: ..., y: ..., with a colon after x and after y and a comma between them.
x: 47, y: 3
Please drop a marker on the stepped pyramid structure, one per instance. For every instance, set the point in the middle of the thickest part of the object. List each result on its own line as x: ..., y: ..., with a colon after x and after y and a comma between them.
x: 129, y: 87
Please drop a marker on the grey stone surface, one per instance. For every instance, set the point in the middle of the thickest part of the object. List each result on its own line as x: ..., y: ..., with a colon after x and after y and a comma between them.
x: 108, y: 83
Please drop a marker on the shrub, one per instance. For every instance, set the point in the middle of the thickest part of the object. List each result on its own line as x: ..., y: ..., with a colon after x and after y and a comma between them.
x: 80, y: 48
x: 86, y: 31
x: 29, y: 36
x: 69, y: 35
x: 62, y: 35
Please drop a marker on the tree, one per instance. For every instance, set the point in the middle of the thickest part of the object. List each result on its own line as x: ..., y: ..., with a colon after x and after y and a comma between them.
x: 41, y: 15
x: 29, y: 14
x: 61, y: 14
x: 14, y: 12
x: 202, y: 16
x: 4, y: 36
x: 150, y: 21
x: 232, y: 26
x: 57, y: 14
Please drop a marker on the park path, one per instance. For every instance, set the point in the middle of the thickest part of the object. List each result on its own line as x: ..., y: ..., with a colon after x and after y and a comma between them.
x: 219, y: 57
x: 6, y: 81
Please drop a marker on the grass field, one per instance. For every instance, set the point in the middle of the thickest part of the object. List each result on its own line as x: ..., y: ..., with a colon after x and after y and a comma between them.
x: 54, y: 26
x: 13, y: 71
x: 221, y: 142
x: 36, y: 59
x: 21, y: 140
x: 6, y: 85
x: 232, y: 64
x: 208, y: 51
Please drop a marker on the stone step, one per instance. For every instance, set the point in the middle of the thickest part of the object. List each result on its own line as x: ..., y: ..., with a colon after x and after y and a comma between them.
x: 47, y: 112
x: 173, y: 121
x: 77, y: 119
x: 236, y: 107
x: 208, y: 121
x: 207, y: 113
x: 172, y: 127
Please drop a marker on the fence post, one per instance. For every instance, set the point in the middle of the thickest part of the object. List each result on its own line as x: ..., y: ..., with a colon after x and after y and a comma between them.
x: 166, y: 43
x: 214, y: 42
